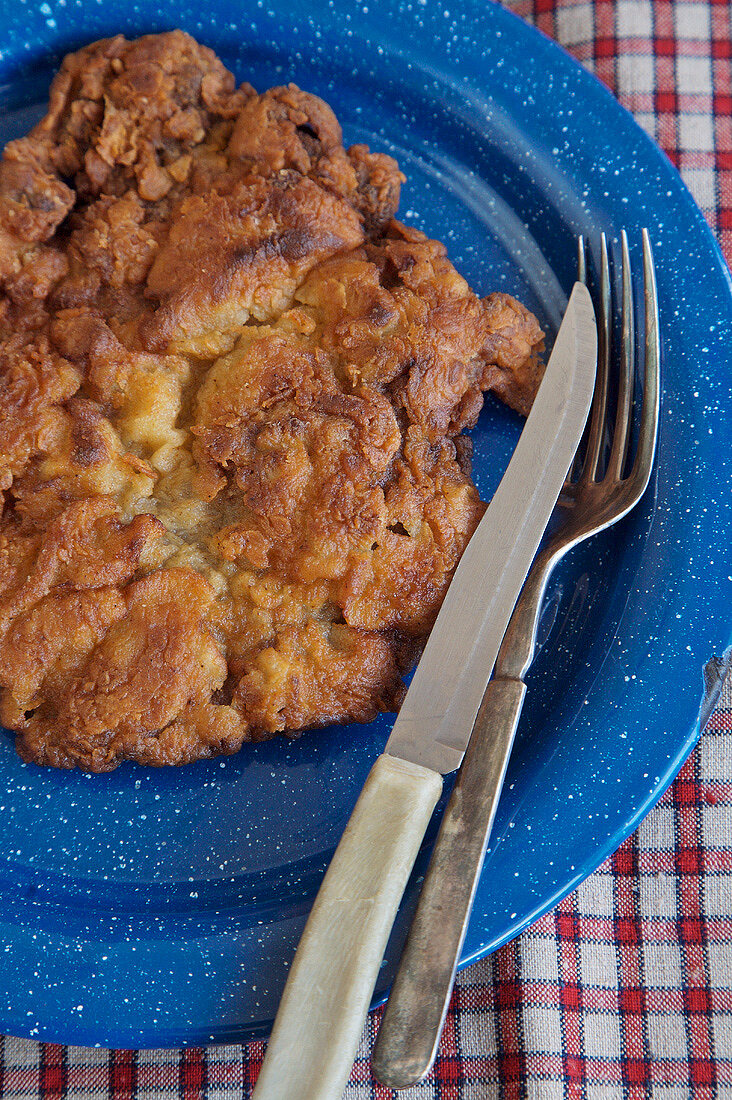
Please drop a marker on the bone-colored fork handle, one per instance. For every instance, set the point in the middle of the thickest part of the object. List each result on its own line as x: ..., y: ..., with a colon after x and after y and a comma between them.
x: 412, y: 1023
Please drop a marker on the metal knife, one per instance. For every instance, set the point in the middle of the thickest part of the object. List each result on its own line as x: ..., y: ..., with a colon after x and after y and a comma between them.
x: 332, y: 977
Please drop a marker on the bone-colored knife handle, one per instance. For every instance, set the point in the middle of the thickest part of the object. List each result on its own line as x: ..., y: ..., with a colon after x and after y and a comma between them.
x: 332, y: 978
x: 412, y: 1023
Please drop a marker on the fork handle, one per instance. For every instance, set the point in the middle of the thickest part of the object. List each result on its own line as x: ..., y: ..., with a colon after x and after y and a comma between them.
x: 412, y: 1023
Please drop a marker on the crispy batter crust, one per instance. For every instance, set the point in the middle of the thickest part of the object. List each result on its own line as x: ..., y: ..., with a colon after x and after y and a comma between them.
x: 233, y: 389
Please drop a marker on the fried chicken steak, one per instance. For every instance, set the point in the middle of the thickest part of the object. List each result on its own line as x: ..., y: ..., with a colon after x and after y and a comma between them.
x: 233, y: 396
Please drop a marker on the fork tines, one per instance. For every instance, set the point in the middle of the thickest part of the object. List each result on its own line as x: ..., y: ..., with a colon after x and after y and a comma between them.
x: 607, y: 443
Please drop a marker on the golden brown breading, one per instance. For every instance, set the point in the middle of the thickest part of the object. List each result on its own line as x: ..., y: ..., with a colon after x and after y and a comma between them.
x: 154, y: 661
x: 34, y: 382
x: 229, y: 258
x: 45, y: 645
x: 317, y: 673
x: 232, y: 392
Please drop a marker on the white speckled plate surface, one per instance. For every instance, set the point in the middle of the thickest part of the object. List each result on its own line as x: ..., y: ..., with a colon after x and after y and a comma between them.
x: 153, y: 908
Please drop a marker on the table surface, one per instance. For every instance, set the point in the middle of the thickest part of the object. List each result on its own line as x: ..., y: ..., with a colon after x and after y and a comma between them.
x: 625, y: 990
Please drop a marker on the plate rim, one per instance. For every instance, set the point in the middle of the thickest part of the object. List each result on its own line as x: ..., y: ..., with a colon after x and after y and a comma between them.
x: 84, y: 1036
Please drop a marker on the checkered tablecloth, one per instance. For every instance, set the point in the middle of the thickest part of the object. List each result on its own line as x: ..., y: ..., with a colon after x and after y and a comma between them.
x: 625, y: 990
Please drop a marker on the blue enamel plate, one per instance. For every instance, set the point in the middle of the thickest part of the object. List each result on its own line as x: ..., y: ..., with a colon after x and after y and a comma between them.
x: 150, y: 908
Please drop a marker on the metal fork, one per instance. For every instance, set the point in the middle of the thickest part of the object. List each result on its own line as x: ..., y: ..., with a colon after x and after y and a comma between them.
x: 591, y: 501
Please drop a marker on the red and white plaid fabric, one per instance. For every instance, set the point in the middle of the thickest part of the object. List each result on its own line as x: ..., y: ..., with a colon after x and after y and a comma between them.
x: 624, y: 992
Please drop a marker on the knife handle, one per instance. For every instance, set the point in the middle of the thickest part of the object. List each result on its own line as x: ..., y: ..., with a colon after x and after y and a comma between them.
x: 332, y: 977
x: 410, y: 1029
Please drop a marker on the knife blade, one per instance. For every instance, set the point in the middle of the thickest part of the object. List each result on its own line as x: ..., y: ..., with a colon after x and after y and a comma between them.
x: 436, y: 718
x: 326, y: 996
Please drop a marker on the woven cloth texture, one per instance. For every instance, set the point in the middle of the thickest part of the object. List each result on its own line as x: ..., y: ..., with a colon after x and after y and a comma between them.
x: 625, y: 990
